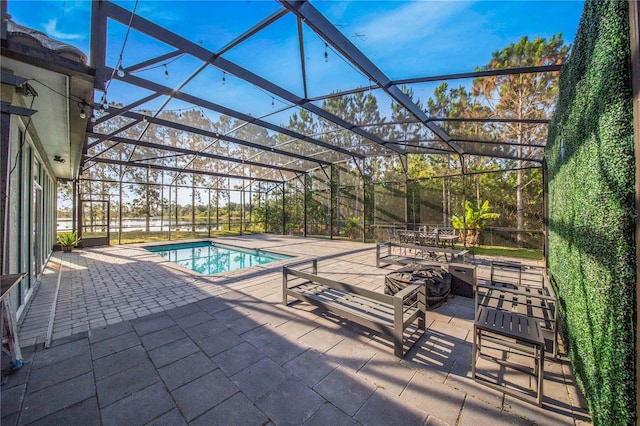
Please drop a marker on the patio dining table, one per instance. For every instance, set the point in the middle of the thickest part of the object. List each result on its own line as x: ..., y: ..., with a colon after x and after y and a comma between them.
x: 427, y: 238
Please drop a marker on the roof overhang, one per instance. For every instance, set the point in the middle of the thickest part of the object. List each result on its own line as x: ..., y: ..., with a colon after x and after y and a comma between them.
x: 64, y: 86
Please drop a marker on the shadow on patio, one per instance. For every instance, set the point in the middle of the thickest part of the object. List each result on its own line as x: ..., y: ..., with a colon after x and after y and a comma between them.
x: 224, y: 350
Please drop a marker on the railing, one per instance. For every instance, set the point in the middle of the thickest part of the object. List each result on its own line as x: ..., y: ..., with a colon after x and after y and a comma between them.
x: 490, y: 236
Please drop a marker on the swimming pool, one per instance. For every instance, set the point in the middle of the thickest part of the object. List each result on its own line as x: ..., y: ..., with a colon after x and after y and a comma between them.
x: 208, y: 258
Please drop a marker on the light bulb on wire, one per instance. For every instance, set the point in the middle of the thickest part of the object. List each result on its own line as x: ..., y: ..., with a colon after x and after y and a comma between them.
x: 121, y: 72
x: 166, y: 72
x: 224, y: 78
x: 326, y: 52
x: 83, y: 113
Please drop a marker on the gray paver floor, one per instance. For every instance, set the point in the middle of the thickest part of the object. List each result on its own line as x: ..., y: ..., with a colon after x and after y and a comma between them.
x: 140, y: 341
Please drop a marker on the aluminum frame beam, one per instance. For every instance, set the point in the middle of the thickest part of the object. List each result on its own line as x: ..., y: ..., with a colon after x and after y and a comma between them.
x: 150, y: 62
x: 253, y: 30
x: 124, y: 16
x: 485, y: 73
x: 104, y: 137
x: 194, y: 100
x: 187, y: 151
x: 214, y: 135
x: 179, y: 170
x: 323, y: 27
x: 418, y: 150
x: 446, y: 77
x: 115, y: 113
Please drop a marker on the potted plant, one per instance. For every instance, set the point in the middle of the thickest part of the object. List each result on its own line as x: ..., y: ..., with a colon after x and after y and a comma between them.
x: 474, y: 218
x: 68, y: 240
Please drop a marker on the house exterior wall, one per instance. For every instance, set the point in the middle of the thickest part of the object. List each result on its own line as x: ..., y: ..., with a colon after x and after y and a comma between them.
x: 31, y: 211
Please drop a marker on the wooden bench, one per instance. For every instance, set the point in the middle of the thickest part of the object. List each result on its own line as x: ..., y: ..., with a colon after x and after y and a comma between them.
x: 389, y: 253
x: 390, y: 315
x: 524, y: 293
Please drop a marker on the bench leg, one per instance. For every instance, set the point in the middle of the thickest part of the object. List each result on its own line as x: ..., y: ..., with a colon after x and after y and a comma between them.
x: 397, y: 327
x: 422, y: 307
x: 284, y: 289
x: 474, y: 352
x: 540, y: 368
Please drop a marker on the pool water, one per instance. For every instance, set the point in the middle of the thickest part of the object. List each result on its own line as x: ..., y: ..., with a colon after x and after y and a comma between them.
x: 209, y: 258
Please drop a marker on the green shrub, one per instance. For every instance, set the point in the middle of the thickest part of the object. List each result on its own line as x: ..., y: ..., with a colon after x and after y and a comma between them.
x: 591, y: 167
x: 68, y: 239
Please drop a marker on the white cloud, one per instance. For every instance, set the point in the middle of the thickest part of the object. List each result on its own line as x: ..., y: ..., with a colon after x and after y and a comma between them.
x: 53, y: 32
x: 411, y: 21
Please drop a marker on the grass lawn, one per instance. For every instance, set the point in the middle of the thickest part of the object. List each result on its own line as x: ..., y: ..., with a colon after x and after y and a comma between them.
x: 146, y: 237
x: 534, y: 254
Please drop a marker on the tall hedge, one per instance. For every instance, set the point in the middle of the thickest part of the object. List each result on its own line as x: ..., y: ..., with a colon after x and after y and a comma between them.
x: 591, y: 167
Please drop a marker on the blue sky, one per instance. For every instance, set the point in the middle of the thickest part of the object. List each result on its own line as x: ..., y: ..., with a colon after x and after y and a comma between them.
x: 404, y: 39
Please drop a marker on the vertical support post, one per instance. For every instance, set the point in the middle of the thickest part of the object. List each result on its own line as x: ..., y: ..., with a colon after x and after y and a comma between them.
x: 250, y: 203
x: 3, y: 23
x: 120, y: 212
x: 77, y: 210
x: 266, y: 211
x: 331, y: 200
x: 403, y: 162
x: 364, y: 203
x: 242, y: 207
x: 545, y: 212
x: 634, y: 35
x: 464, y: 204
x: 4, y: 178
x: 217, y: 210
x: 304, y: 202
x: 98, y: 43
x: 169, y: 228
x: 284, y: 215
x: 161, y: 201
x: 209, y: 212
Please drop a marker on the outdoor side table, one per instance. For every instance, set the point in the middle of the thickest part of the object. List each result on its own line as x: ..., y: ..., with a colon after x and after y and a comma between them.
x: 514, y: 331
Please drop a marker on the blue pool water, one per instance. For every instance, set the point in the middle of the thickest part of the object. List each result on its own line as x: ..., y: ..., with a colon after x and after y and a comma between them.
x: 209, y: 258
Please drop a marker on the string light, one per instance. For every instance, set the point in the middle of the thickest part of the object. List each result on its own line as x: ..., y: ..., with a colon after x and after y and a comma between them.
x: 180, y: 114
x: 83, y: 112
x: 326, y: 52
x: 224, y: 77
x: 93, y: 117
x: 105, y: 104
x: 121, y: 72
x: 166, y: 72
x: 273, y: 102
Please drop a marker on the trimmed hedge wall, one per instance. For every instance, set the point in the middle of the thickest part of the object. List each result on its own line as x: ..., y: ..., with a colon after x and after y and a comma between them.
x: 591, y: 167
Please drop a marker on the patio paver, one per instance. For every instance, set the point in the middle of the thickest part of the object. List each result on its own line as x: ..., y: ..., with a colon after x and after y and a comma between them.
x: 224, y: 348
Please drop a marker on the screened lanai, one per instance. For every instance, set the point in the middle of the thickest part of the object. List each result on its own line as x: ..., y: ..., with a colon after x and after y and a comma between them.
x: 339, y: 120
x: 280, y: 120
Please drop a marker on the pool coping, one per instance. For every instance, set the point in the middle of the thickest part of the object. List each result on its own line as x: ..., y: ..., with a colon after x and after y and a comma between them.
x: 160, y: 260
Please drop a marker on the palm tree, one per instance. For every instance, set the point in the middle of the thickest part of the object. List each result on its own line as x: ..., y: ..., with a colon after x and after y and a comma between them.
x: 474, y: 219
